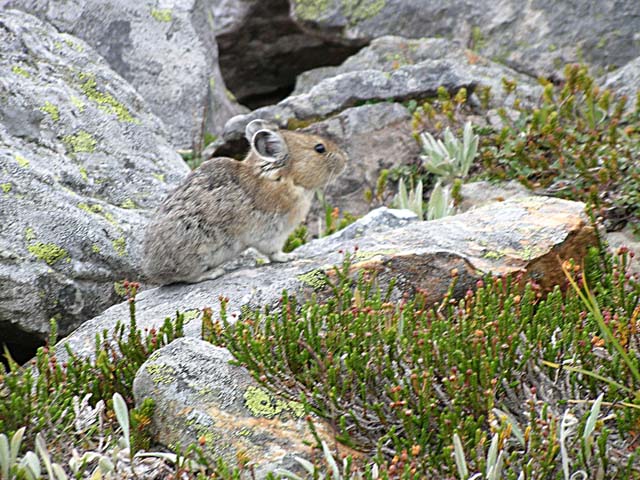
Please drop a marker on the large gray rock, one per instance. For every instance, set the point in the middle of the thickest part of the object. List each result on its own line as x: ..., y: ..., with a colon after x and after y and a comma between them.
x: 520, y: 236
x: 262, y: 49
x: 626, y: 81
x: 538, y: 37
x: 201, y: 399
x: 166, y: 50
x: 81, y: 161
x: 390, y: 69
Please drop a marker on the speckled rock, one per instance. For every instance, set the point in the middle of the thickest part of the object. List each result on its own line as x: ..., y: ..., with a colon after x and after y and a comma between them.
x: 82, y: 159
x: 201, y: 398
x: 518, y: 236
x: 478, y: 194
x: 262, y: 49
x: 166, y: 50
x: 537, y: 37
x: 625, y: 81
x: 390, y: 69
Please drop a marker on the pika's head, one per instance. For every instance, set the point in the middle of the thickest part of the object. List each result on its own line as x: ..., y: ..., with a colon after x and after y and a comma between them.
x: 309, y: 161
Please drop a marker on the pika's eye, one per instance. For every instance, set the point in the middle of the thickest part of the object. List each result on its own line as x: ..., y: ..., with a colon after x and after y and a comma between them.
x: 319, y: 148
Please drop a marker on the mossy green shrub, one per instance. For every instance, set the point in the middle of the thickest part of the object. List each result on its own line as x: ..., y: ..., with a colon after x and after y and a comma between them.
x: 581, y: 143
x: 399, y: 379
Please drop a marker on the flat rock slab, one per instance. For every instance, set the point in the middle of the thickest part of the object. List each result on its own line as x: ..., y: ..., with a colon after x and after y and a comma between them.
x: 201, y: 399
x: 521, y: 236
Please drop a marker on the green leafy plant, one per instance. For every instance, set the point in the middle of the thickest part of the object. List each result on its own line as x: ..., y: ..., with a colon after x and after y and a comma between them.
x: 449, y: 158
x: 401, y: 379
x: 409, y: 200
x: 580, y: 143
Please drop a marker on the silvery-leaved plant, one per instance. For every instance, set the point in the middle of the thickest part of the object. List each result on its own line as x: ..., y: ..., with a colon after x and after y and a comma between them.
x: 449, y: 158
x: 409, y: 200
x: 440, y: 202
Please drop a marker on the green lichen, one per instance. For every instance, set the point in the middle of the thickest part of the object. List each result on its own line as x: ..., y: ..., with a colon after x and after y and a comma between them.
x: 29, y: 234
x: 261, y: 403
x: 95, y: 209
x: 493, y: 255
x: 6, y: 187
x: 363, y: 255
x: 118, y: 287
x: 76, y: 46
x: 316, y: 279
x: 48, y: 252
x: 158, y: 176
x: 18, y: 70
x: 105, y: 101
x: 22, y: 162
x: 120, y: 246
x: 161, y: 374
x: 311, y: 9
x: 51, y: 110
x: 80, y: 142
x: 358, y: 10
x: 128, y: 204
x: 76, y: 102
x: 95, y: 248
x: 162, y: 14
x: 83, y: 173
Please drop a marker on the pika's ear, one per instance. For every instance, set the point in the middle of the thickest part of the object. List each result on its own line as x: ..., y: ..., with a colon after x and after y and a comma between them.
x: 256, y: 125
x: 270, y: 146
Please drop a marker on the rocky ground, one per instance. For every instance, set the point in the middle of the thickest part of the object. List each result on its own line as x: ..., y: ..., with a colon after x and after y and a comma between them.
x: 101, y: 102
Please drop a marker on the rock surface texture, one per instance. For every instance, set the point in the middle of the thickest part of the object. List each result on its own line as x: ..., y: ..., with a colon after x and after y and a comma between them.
x: 201, y: 399
x: 523, y: 236
x: 262, y: 49
x: 166, y: 50
x: 81, y: 162
x: 537, y: 37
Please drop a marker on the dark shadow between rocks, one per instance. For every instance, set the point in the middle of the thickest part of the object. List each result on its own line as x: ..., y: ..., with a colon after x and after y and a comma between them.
x: 261, y: 56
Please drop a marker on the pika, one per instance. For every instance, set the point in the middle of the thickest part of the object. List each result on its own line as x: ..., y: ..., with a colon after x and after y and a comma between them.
x: 226, y: 205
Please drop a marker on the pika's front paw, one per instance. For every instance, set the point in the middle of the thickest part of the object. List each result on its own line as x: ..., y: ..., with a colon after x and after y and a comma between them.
x: 281, y: 257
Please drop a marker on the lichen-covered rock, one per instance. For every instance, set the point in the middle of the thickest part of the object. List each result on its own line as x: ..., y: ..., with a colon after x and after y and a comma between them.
x: 262, y: 49
x: 201, y: 399
x: 520, y: 236
x: 536, y: 37
x: 81, y: 162
x: 166, y: 50
x: 390, y: 69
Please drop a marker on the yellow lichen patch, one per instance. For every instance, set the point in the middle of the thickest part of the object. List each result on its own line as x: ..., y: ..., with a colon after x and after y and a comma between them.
x: 95, y: 248
x: 96, y: 209
x: 262, y: 404
x: 162, y: 14
x: 29, y: 234
x: 158, y: 176
x: 161, y: 374
x: 6, y: 187
x: 120, y: 246
x: 50, y: 109
x: 316, y: 279
x: 22, y: 162
x: 48, y: 252
x: 104, y: 101
x: 83, y: 173
x: 311, y: 9
x: 76, y: 102
x: 80, y: 142
x: 128, y: 204
x: 18, y: 70
x: 359, y: 10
